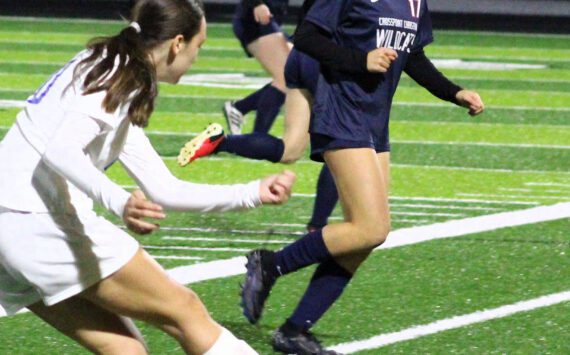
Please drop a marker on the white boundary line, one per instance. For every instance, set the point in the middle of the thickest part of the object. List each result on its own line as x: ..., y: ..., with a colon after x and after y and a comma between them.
x: 233, y: 240
x: 395, y: 103
x: 451, y: 323
x: 235, y: 266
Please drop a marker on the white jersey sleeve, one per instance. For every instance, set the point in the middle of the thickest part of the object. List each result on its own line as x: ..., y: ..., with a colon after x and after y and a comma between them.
x: 153, y: 176
x: 65, y: 154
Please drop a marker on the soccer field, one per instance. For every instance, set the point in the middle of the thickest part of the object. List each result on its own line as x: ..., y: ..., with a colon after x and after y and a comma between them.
x: 479, y: 257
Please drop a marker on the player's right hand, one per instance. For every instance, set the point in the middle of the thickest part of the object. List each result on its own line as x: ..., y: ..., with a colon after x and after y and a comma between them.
x: 139, y: 207
x: 380, y: 59
x: 262, y: 14
x: 276, y: 189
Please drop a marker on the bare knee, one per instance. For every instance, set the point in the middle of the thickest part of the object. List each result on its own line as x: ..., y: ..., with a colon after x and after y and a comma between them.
x: 373, y: 233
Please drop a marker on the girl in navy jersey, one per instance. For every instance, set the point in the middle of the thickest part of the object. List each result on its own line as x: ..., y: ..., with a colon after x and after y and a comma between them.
x: 363, y: 46
x: 75, y: 270
x: 257, y: 25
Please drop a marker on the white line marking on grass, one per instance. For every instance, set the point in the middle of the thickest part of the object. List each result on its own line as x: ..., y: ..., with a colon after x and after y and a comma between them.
x: 475, y: 65
x: 409, y: 220
x: 546, y: 184
x: 12, y: 103
x: 516, y: 196
x: 460, y: 168
x: 296, y: 225
x: 172, y: 257
x: 204, y: 239
x: 235, y: 266
x: 452, y: 323
x: 460, y: 200
x: 477, y: 224
x: 485, y: 144
x: 405, y: 236
x: 175, y: 247
x: 445, y: 207
x: 427, y: 214
x: 395, y: 103
x: 237, y: 231
x: 534, y: 190
x: 494, y: 107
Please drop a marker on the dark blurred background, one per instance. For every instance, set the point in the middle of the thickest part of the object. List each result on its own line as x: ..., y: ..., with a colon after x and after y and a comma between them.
x: 493, y: 15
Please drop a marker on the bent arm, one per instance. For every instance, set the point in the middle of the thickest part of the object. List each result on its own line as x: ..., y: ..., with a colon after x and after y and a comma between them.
x: 146, y: 167
x: 65, y: 155
x: 317, y: 42
x: 422, y: 70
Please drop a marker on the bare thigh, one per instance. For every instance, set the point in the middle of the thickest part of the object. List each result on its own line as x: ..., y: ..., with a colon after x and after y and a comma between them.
x: 297, y: 116
x: 362, y: 179
x: 92, y: 326
x: 272, y: 51
x: 142, y: 290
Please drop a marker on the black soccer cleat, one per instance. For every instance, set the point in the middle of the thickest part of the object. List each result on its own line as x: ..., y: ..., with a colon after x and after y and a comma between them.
x: 257, y: 285
x: 303, y: 343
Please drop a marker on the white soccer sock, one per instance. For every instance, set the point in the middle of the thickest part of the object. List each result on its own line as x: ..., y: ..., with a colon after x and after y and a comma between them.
x: 228, y: 344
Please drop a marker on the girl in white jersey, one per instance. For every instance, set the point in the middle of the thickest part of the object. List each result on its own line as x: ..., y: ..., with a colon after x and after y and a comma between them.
x: 75, y: 270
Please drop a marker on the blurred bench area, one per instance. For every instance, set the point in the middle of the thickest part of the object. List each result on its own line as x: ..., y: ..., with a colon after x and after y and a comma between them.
x: 493, y: 15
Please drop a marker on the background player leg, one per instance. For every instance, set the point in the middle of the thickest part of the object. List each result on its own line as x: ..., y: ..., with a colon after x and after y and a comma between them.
x: 325, y: 200
x: 271, y: 51
x: 263, y: 146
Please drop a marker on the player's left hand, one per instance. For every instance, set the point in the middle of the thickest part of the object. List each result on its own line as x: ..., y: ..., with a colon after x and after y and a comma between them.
x: 471, y: 100
x: 262, y: 14
x: 276, y: 189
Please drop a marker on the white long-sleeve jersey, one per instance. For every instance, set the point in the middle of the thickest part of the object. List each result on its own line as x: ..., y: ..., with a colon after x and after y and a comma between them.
x: 53, y: 158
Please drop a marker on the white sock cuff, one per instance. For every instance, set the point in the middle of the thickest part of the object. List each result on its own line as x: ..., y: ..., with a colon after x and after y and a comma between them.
x: 228, y: 344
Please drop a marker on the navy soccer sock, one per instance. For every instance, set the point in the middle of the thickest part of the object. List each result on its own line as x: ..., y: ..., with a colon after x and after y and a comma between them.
x: 325, y: 201
x: 254, y: 145
x: 326, y: 286
x: 270, y: 103
x: 307, y: 250
x: 250, y: 102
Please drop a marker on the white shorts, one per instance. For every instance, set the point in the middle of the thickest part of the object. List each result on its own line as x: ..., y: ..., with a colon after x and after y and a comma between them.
x: 52, y: 258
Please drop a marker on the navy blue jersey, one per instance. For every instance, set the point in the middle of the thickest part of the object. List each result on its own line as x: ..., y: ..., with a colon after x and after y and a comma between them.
x: 356, y: 107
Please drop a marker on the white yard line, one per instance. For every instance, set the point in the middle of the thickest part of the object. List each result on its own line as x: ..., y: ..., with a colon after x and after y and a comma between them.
x: 534, y: 190
x: 235, y: 266
x: 546, y: 184
x: 395, y: 213
x: 400, y: 237
x: 172, y: 257
x: 152, y: 247
x: 444, y: 207
x: 452, y: 323
x: 204, y: 239
x: 395, y: 103
x: 237, y: 231
x: 540, y: 197
x: 439, y: 199
x: 12, y: 103
x: 295, y: 225
x: 484, y: 144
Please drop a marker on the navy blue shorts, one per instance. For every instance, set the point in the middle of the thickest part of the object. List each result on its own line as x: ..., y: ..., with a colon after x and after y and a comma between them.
x: 301, y: 71
x: 320, y: 143
x: 248, y: 30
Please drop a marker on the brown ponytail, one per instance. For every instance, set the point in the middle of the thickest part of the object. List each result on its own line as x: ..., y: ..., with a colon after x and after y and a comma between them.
x: 126, y: 71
